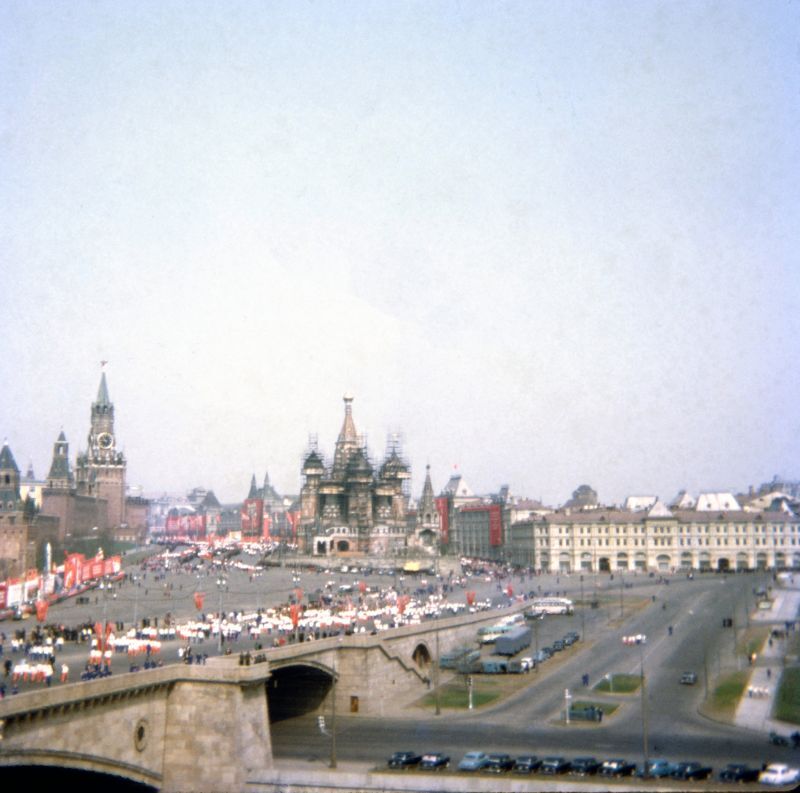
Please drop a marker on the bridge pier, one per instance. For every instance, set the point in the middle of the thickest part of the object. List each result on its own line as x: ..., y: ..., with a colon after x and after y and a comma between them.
x: 216, y: 736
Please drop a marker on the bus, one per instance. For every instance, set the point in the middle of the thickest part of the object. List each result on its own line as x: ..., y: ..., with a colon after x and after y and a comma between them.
x: 550, y: 605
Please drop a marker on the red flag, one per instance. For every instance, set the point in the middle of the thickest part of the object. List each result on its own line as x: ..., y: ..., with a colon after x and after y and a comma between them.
x: 362, y: 587
x: 41, y: 610
x: 510, y: 591
x: 198, y: 600
x: 402, y: 602
x: 298, y: 594
x: 470, y: 598
x: 295, y: 610
x: 98, y: 631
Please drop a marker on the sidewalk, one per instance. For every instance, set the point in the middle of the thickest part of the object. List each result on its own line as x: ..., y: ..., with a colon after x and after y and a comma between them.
x: 754, y: 712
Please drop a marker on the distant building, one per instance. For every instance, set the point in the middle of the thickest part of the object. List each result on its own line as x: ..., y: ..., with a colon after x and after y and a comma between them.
x: 23, y: 531
x: 92, y: 499
x: 658, y: 539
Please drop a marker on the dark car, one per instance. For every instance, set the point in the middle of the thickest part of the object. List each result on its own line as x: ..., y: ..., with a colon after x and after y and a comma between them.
x: 558, y: 645
x: 688, y: 678
x: 691, y: 770
x: 738, y: 772
x: 526, y: 764
x: 404, y: 760
x: 435, y: 761
x: 617, y: 767
x: 554, y: 765
x: 585, y: 765
x: 498, y: 763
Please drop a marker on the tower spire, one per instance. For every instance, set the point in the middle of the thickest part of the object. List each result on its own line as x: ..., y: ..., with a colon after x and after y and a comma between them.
x: 102, y: 391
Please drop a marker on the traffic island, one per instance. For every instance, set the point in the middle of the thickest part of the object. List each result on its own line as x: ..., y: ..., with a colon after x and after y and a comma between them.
x: 619, y: 684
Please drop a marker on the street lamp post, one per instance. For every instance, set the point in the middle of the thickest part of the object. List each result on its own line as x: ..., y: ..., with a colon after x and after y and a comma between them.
x: 221, y: 583
x: 641, y: 640
x: 583, y: 613
x: 436, y: 668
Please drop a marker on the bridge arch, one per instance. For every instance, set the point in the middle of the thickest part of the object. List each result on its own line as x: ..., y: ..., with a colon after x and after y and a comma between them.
x: 59, y: 773
x: 297, y: 688
x: 422, y: 656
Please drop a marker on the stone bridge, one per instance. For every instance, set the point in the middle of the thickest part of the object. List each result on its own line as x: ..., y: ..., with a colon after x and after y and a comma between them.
x: 199, y: 728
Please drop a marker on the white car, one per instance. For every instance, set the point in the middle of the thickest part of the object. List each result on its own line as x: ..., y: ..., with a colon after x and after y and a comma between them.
x: 779, y: 774
x: 527, y: 664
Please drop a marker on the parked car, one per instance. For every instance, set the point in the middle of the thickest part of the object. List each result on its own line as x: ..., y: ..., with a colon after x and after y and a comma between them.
x: 554, y: 765
x: 570, y: 639
x: 526, y: 764
x: 691, y: 770
x: 617, y: 767
x: 404, y: 760
x: 688, y: 678
x: 527, y: 663
x: 435, y: 761
x: 558, y: 645
x: 473, y: 761
x: 738, y: 772
x: 585, y: 765
x: 779, y: 774
x: 542, y: 655
x: 657, y: 769
x: 499, y: 763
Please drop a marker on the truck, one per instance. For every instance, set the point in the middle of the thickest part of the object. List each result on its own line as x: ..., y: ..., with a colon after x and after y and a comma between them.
x: 512, y: 642
x: 457, y: 657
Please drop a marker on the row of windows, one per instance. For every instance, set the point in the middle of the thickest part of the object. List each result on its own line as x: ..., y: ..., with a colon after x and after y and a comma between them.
x: 667, y: 541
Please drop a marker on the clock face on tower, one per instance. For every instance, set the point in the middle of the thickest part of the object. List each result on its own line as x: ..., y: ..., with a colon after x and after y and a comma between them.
x: 104, y: 440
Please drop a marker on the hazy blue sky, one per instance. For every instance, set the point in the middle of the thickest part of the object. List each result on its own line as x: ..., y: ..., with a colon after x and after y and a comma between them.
x: 549, y: 242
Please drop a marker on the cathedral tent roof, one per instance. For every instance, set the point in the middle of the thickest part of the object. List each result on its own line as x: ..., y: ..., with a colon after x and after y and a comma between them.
x: 313, y: 460
x: 359, y: 464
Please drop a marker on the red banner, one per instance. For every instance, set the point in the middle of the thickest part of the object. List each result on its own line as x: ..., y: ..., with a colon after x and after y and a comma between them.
x: 443, y: 508
x: 253, y: 518
x: 495, y: 525
x: 199, y: 597
x: 294, y: 519
x: 41, y: 610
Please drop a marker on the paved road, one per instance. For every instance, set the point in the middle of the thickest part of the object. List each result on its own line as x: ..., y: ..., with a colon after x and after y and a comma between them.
x: 530, y: 721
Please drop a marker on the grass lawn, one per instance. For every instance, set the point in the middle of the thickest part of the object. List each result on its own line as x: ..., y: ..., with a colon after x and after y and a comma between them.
x: 486, y: 689
x: 725, y: 697
x: 787, y: 702
x: 456, y: 697
x: 619, y: 684
x: 752, y: 639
